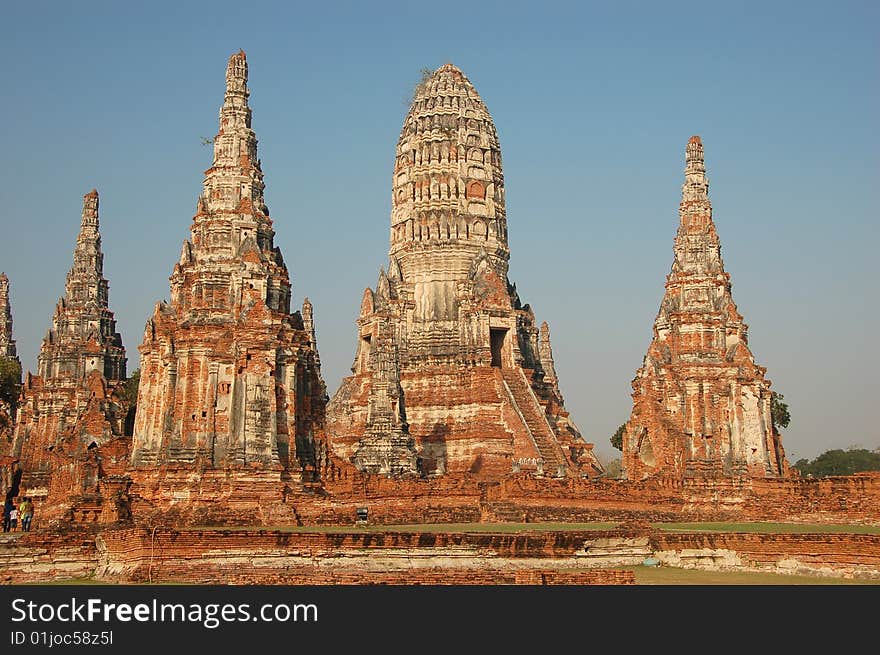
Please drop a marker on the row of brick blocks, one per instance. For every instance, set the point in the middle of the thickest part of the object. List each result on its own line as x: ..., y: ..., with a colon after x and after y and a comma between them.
x: 276, y: 557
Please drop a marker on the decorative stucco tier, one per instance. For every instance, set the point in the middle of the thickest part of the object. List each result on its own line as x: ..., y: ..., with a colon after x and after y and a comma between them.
x: 230, y: 378
x: 701, y: 405
x: 452, y: 372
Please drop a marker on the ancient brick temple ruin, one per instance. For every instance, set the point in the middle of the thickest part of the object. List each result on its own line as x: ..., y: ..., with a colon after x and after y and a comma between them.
x: 230, y: 378
x: 452, y: 373
x: 8, y: 352
x: 700, y: 403
x: 7, y: 343
x: 9, y: 355
x: 71, y: 406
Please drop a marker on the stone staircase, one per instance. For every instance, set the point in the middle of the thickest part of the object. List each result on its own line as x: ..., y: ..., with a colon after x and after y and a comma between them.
x: 532, y: 413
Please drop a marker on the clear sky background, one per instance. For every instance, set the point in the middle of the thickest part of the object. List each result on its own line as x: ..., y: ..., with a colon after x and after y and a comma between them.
x: 594, y: 103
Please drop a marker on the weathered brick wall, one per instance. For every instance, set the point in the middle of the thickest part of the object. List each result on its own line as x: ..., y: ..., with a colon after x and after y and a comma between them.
x: 46, y: 556
x: 274, y: 557
x: 854, y: 498
x: 270, y: 557
x: 819, y: 549
x: 173, y: 497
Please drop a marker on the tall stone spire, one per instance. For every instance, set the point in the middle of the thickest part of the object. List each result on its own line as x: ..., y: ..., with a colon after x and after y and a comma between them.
x: 444, y: 324
x: 700, y: 401
x: 230, y: 378
x: 7, y: 352
x: 83, y: 321
x: 235, y: 174
x: 71, y: 403
x: 232, y: 244
x: 7, y: 343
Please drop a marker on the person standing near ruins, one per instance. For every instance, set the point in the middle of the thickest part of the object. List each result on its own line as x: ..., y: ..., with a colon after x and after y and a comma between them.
x: 26, y: 513
x: 7, y: 514
x: 13, y: 517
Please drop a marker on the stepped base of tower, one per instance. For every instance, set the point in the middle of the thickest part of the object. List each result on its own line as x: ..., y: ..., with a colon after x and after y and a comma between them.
x: 742, y: 444
x: 68, y: 430
x: 170, y: 495
x: 73, y: 478
x: 481, y: 420
x: 176, y: 499
x: 234, y: 393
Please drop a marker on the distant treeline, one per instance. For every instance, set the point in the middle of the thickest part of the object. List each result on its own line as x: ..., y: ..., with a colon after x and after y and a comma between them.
x: 840, y: 462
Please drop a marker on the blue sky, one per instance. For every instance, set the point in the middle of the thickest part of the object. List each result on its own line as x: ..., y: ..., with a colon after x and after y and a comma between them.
x: 593, y: 102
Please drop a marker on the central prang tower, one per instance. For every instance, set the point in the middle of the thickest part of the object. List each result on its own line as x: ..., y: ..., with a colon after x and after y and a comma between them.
x: 451, y: 372
x: 230, y: 378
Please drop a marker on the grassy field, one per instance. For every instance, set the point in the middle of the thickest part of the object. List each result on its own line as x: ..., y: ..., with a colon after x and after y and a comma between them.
x: 664, y: 575
x: 767, y: 528
x: 775, y: 528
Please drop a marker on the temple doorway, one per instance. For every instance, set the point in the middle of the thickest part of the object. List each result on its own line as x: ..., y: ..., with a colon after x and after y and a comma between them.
x: 496, y: 343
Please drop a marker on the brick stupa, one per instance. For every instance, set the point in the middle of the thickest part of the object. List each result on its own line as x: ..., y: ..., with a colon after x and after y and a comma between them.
x: 701, y: 405
x: 230, y: 378
x: 7, y: 342
x: 9, y: 355
x: 452, y: 374
x: 71, y: 406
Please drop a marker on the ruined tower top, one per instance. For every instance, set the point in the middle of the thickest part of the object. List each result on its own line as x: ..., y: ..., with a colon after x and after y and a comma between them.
x: 83, y: 334
x: 448, y: 186
x: 90, y: 212
x: 231, y: 254
x: 697, y: 246
x: 85, y: 279
x: 237, y: 73
x: 235, y: 178
x: 695, y: 205
x: 7, y: 343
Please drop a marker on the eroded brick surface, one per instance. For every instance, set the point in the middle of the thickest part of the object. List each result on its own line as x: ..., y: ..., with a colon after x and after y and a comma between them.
x: 230, y: 377
x: 452, y: 373
x: 71, y: 407
x: 701, y: 405
x: 8, y: 351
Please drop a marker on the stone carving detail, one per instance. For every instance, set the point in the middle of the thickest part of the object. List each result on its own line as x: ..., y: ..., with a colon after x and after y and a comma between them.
x: 387, y: 447
x: 230, y: 378
x: 71, y: 405
x: 444, y: 332
x: 701, y: 405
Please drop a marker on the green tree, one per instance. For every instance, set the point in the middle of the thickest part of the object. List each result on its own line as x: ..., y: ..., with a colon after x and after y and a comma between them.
x: 10, y: 388
x: 10, y: 381
x: 129, y: 393
x: 840, y: 462
x: 779, y: 411
x: 617, y: 437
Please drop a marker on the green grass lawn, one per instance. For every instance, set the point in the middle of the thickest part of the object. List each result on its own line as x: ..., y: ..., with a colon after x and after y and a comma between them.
x: 665, y: 575
x: 775, y: 528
